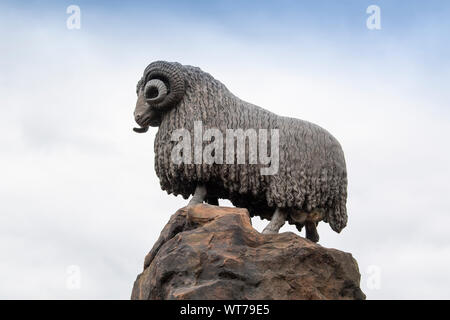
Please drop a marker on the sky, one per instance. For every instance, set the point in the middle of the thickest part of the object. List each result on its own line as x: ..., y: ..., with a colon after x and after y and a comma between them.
x: 80, y: 203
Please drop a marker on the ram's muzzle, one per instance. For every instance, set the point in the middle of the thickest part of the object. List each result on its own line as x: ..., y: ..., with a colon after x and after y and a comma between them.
x: 144, y: 115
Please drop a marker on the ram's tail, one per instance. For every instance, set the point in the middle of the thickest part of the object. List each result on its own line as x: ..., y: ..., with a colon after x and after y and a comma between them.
x: 337, y: 216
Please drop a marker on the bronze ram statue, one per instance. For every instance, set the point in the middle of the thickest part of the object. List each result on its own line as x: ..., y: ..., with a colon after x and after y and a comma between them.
x: 310, y: 180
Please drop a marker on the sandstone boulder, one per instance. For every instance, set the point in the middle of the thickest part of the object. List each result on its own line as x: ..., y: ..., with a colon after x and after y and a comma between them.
x: 211, y: 252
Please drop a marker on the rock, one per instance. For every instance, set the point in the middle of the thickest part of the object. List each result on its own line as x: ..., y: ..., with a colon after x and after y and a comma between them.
x: 210, y: 252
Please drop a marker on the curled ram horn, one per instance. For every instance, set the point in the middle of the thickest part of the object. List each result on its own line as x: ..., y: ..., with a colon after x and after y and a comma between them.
x: 164, y: 85
x: 155, y: 91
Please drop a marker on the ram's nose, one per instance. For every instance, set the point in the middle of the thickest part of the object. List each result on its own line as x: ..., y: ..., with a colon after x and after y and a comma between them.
x: 149, y: 118
x: 137, y: 118
x: 140, y: 120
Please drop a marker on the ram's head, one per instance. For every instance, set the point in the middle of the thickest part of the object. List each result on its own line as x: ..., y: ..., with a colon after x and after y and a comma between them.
x: 160, y: 89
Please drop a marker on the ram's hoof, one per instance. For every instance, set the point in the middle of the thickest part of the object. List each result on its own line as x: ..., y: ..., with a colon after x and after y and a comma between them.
x: 269, y: 231
x: 193, y: 203
x: 314, y: 238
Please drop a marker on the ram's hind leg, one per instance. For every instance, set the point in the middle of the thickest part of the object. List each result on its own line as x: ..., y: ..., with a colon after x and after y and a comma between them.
x: 311, y: 231
x: 309, y: 221
x: 199, y: 195
x: 277, y: 221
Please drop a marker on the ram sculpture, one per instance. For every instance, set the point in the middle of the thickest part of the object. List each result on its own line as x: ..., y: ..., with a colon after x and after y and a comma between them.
x: 304, y: 181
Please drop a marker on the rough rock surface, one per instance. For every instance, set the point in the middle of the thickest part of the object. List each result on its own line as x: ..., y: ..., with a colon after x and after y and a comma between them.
x: 210, y: 252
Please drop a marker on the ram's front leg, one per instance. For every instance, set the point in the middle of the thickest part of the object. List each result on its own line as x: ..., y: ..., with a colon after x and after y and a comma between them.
x: 199, y: 195
x: 277, y: 221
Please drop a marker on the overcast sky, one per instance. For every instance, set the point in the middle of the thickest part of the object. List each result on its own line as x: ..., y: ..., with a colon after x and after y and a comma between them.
x: 78, y: 191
